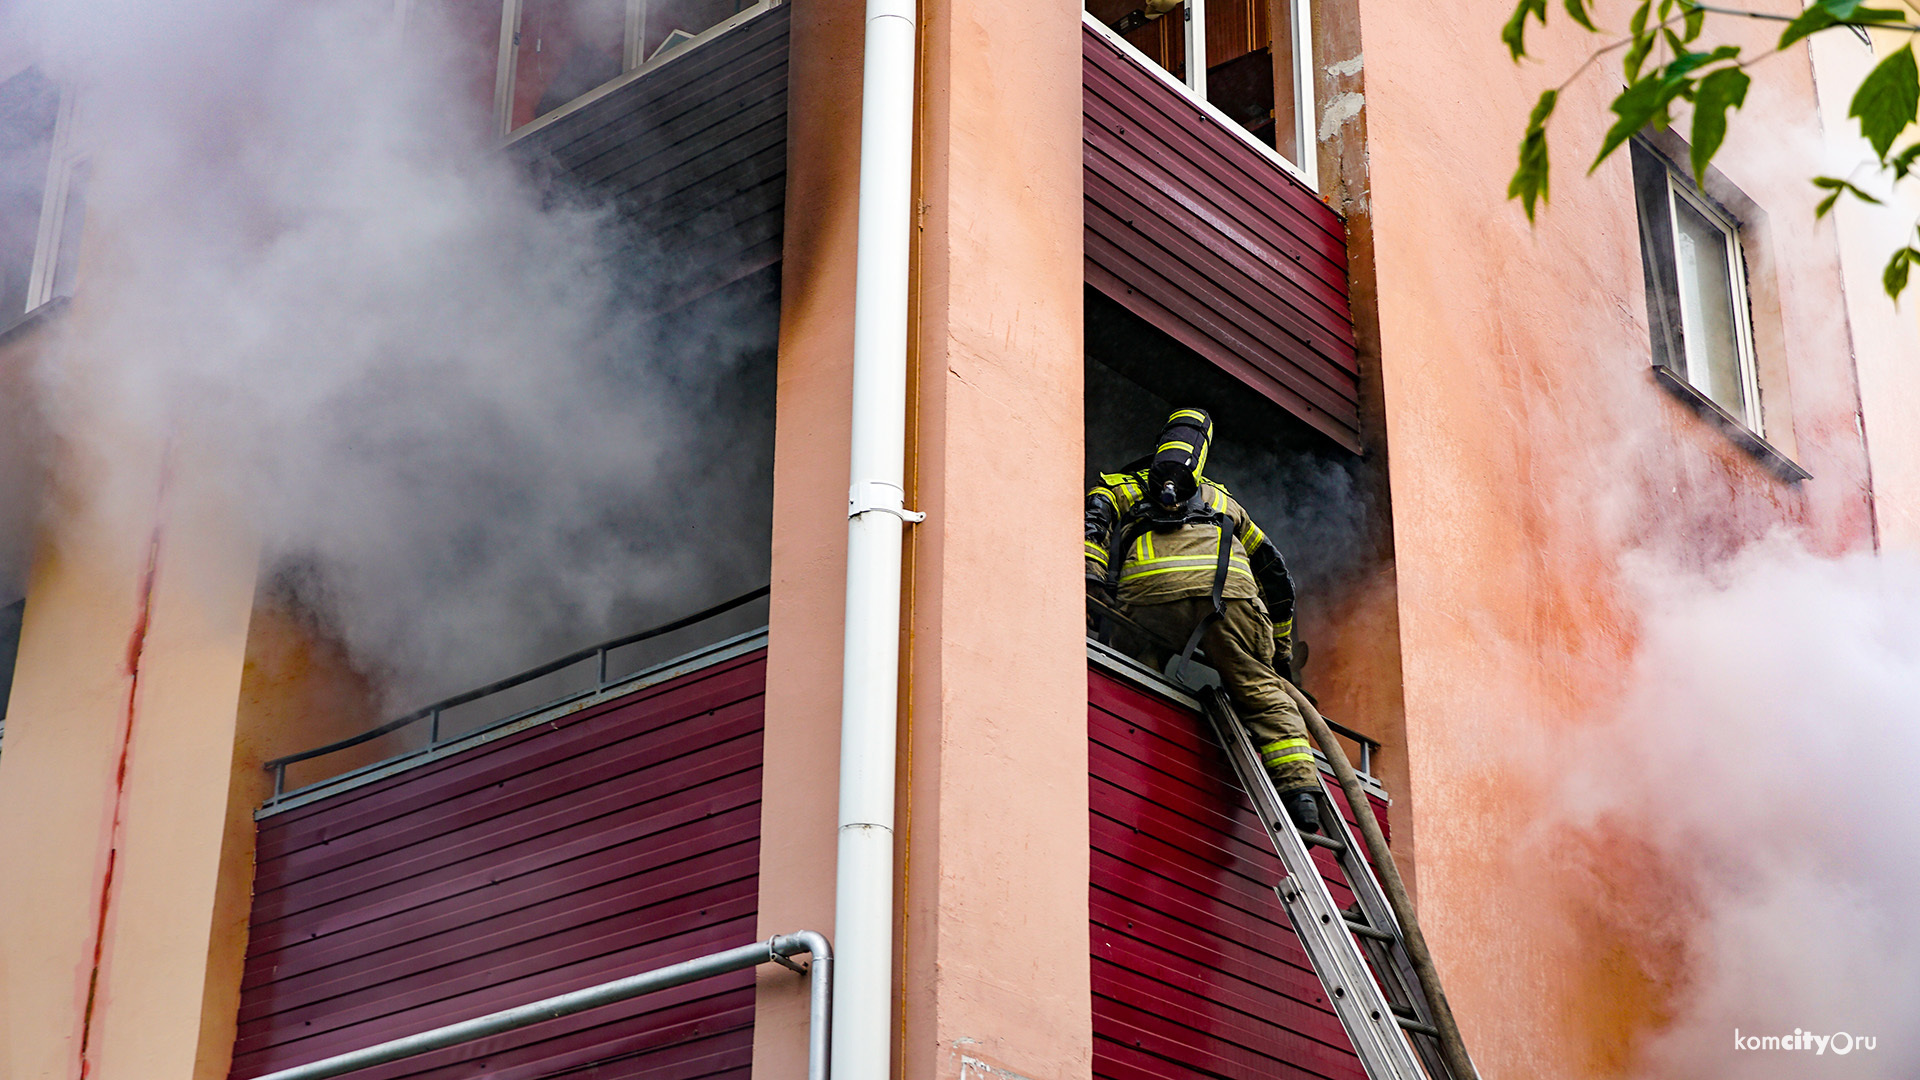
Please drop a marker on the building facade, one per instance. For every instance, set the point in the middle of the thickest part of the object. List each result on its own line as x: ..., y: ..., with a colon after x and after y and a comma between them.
x: 1461, y: 429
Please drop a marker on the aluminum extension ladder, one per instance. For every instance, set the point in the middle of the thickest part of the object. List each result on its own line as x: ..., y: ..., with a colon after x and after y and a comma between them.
x: 1389, y: 1020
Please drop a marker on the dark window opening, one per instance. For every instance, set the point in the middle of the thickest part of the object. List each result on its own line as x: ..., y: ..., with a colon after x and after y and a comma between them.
x: 1309, y: 494
x: 11, y: 616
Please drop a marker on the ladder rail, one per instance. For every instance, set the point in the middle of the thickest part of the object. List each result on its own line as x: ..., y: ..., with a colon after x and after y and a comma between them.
x: 1395, y: 969
x: 1358, y: 1001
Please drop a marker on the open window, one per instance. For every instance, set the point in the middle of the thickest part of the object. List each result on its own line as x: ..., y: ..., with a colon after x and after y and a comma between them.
x: 1249, y: 59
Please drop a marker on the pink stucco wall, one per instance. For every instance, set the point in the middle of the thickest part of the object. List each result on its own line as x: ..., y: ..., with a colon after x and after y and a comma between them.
x: 1529, y: 450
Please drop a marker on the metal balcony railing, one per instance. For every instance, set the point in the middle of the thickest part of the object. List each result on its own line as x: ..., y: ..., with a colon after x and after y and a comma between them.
x: 1105, y: 619
x: 432, y: 714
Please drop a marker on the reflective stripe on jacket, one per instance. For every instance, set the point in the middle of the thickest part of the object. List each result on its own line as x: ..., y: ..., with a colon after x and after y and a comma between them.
x: 1175, y: 564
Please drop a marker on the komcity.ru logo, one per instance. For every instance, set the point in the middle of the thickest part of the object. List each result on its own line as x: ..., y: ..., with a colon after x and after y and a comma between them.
x: 1839, y: 1042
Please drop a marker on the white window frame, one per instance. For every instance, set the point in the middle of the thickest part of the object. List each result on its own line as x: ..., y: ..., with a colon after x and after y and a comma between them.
x: 1305, y: 112
x: 63, y: 161
x: 1680, y: 190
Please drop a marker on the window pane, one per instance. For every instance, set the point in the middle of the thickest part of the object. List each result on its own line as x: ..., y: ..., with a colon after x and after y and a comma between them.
x: 1250, y: 67
x: 566, y: 48
x: 470, y: 30
x: 672, y: 23
x: 1707, y: 308
x: 1150, y: 26
x: 29, y: 104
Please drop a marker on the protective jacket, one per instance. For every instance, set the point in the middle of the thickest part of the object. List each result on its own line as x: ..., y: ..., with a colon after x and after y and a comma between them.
x: 1143, y: 550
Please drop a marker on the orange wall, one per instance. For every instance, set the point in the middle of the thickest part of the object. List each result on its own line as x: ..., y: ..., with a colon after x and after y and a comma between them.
x: 1529, y: 449
x: 992, y: 827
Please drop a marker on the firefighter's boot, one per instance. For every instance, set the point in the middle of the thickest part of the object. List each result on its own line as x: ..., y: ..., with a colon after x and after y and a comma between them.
x: 1304, y: 809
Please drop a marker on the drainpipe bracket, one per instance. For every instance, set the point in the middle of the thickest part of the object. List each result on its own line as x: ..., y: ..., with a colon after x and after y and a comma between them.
x: 878, y: 495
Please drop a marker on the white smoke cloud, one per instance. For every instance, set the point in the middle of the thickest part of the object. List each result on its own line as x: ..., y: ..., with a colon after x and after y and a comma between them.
x: 432, y: 382
x: 1764, y: 752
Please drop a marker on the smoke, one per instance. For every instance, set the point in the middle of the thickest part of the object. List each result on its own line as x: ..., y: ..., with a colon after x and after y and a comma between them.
x: 1762, y: 758
x: 433, y: 385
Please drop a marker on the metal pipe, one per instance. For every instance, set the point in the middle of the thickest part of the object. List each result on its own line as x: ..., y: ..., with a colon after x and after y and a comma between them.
x: 819, y: 1002
x: 1452, y: 1048
x: 647, y: 982
x: 876, y: 521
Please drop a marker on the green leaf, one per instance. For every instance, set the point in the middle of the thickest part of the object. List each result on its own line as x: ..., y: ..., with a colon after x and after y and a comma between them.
x: 1898, y: 267
x: 1838, y: 187
x: 1902, y: 162
x: 1649, y: 98
x: 1673, y: 42
x: 1577, y: 11
x: 1718, y: 91
x: 1642, y: 41
x: 1887, y: 99
x: 1636, y: 106
x: 1515, y: 32
x: 1529, y: 183
x: 1830, y: 13
x: 1696, y: 19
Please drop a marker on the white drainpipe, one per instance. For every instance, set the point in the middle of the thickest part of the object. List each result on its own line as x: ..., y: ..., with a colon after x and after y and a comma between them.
x: 863, y: 891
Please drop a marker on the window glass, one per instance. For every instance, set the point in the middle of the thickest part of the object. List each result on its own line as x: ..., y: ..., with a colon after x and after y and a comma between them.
x: 1153, y: 27
x: 29, y: 105
x: 1707, y: 307
x: 670, y: 24
x: 1244, y: 67
x: 470, y: 30
x: 564, y: 49
x: 1249, y: 57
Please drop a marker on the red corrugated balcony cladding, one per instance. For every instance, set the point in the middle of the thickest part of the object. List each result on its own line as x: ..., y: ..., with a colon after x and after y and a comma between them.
x: 615, y: 840
x: 1196, y: 972
x: 1215, y: 244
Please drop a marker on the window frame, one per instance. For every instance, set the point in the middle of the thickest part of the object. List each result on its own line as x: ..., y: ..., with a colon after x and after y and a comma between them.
x: 64, y: 163
x: 1194, y: 86
x: 1673, y: 351
x: 633, y: 66
x: 51, y: 254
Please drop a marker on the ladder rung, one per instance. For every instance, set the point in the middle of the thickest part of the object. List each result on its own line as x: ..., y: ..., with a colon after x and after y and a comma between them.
x: 1361, y: 928
x: 1314, y: 839
x: 1417, y: 1027
x: 1404, y: 1012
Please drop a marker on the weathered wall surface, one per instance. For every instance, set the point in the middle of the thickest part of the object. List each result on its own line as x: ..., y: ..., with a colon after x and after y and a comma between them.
x: 116, y: 779
x: 1885, y: 337
x: 991, y: 833
x: 1530, y: 449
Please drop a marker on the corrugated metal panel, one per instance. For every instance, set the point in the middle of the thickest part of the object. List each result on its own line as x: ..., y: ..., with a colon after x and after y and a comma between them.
x: 1196, y: 971
x: 694, y: 154
x: 615, y: 840
x: 1215, y: 244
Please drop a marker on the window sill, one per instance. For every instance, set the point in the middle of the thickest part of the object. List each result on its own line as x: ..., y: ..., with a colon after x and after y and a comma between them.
x: 1763, y: 451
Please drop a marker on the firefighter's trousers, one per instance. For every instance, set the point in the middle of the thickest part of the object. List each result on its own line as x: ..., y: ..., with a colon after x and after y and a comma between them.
x: 1240, y: 647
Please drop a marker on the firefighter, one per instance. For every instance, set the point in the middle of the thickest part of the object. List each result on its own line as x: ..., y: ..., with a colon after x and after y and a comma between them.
x: 1186, y: 562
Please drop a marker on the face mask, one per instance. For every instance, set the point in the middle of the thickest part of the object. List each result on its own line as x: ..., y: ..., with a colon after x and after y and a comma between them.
x: 1179, y: 457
